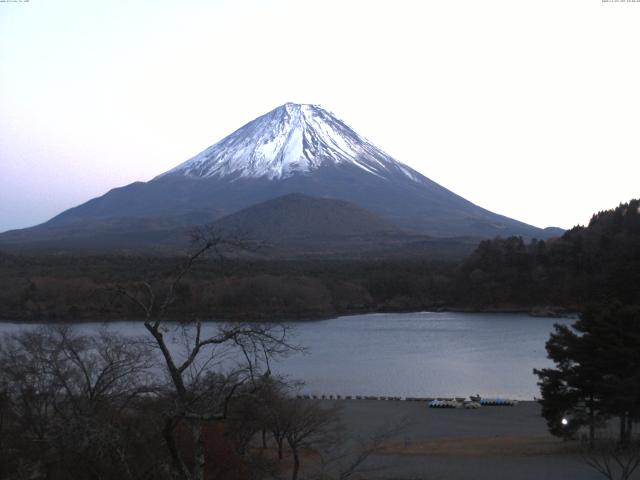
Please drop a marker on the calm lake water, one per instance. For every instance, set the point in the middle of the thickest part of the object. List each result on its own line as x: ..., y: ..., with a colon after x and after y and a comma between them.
x: 409, y: 354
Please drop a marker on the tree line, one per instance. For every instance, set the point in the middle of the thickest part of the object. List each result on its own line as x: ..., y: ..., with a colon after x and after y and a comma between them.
x: 598, y: 262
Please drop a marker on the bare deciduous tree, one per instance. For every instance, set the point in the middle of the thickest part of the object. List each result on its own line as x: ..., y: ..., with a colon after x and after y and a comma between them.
x: 613, y: 460
x: 345, y: 459
x: 197, y: 400
x: 69, y: 398
x: 309, y: 424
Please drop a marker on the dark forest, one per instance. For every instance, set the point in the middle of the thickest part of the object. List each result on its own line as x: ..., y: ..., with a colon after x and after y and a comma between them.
x: 596, y: 263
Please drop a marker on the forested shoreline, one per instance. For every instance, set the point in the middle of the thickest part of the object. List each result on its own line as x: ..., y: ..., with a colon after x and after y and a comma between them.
x: 597, y: 263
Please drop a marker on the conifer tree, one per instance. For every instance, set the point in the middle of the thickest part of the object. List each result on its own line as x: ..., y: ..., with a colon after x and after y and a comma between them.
x: 597, y: 373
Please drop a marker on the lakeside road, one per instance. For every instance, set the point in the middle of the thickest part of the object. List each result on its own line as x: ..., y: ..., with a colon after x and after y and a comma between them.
x: 455, y: 444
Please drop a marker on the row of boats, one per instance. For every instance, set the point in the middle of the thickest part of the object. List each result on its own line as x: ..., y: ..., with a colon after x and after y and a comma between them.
x: 473, y: 403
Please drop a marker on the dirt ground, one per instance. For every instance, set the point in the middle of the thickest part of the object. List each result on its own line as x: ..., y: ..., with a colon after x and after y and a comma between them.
x: 502, y: 445
x: 450, y: 444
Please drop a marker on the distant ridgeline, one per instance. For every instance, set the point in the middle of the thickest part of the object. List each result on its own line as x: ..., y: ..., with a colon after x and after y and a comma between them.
x: 597, y: 263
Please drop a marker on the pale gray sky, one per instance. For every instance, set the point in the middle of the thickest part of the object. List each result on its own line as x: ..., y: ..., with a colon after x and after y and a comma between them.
x: 527, y: 108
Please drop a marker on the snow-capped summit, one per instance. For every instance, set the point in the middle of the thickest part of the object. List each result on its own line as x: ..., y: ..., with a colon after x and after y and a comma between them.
x: 291, y: 139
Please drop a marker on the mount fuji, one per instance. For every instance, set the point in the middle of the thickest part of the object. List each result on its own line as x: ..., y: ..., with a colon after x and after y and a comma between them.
x: 295, y: 148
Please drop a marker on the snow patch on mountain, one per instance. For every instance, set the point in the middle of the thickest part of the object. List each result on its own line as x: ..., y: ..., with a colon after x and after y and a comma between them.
x: 291, y: 139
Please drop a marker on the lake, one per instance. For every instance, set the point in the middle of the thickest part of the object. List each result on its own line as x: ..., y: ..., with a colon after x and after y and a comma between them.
x: 409, y: 354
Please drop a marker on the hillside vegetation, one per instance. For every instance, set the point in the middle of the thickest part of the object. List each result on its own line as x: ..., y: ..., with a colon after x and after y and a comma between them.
x: 593, y: 264
x: 599, y: 262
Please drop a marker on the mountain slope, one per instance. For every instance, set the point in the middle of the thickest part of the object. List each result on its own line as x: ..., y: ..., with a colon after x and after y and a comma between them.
x: 297, y: 225
x: 296, y: 216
